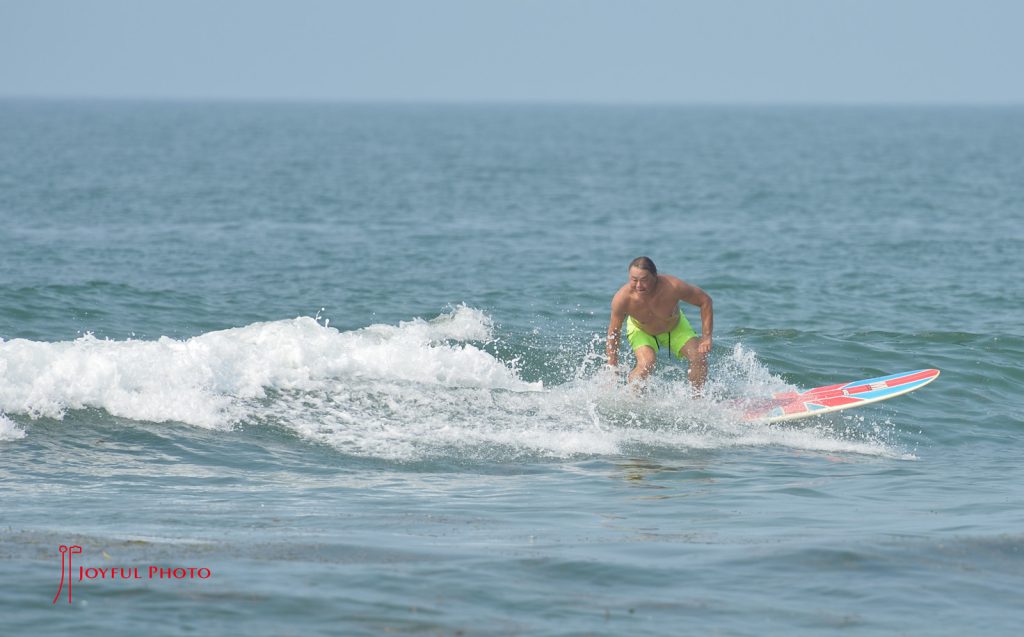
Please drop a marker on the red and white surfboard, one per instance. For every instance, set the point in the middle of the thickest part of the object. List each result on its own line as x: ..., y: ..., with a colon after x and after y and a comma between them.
x: 822, y: 400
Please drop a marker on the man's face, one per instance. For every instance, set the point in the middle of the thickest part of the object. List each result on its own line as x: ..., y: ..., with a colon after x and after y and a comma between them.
x: 641, y: 281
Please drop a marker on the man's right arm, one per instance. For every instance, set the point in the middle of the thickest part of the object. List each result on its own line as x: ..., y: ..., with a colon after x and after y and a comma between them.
x: 615, y: 333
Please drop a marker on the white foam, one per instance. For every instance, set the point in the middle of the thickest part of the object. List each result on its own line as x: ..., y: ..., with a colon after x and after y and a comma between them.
x: 205, y: 380
x: 9, y: 429
x: 417, y: 390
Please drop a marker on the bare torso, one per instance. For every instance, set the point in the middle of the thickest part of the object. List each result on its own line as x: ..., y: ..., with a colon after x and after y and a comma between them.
x: 656, y: 312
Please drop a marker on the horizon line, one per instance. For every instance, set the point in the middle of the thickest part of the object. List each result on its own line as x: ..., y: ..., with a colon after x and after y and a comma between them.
x: 527, y: 102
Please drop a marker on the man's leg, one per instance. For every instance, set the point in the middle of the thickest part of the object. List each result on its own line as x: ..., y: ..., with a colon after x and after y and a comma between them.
x: 698, y: 363
x: 646, y: 357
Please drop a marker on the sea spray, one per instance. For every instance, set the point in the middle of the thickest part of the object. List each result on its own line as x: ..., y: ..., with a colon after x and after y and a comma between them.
x: 211, y: 380
x: 9, y: 429
x: 422, y: 389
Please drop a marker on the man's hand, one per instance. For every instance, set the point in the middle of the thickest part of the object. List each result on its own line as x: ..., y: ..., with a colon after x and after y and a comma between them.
x: 704, y: 347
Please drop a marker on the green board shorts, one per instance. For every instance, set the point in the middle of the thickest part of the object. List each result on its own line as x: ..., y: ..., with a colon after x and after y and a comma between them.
x: 672, y: 340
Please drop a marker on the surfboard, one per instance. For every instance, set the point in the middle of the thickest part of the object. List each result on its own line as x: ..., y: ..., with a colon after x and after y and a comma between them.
x: 822, y: 400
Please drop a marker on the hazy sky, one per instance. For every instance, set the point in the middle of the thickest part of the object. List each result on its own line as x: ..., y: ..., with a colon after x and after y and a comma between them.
x: 875, y: 51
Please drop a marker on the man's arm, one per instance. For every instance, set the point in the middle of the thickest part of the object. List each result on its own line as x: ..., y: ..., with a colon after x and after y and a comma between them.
x: 615, y: 332
x: 696, y: 296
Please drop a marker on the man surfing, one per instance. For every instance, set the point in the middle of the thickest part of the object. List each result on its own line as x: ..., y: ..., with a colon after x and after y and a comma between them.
x: 649, y: 305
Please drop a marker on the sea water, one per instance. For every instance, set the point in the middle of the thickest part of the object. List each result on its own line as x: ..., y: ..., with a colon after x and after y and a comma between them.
x: 327, y: 369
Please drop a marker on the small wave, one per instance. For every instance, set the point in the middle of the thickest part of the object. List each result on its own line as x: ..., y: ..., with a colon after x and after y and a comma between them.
x: 422, y: 389
x: 206, y: 380
x: 9, y: 429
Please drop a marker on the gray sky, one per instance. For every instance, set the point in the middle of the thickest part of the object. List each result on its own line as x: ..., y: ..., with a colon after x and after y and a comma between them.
x: 682, y: 51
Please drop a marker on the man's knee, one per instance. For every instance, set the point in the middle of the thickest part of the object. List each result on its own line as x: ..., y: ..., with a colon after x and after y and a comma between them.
x: 691, y: 351
x: 645, y: 359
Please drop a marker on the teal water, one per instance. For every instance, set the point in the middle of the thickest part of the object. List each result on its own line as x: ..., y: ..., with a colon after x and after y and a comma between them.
x: 350, y: 360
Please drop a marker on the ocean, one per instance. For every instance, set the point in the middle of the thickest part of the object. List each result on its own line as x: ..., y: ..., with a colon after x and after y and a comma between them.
x: 339, y: 369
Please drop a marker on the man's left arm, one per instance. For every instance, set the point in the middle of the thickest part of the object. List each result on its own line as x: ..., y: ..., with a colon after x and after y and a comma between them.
x: 698, y: 297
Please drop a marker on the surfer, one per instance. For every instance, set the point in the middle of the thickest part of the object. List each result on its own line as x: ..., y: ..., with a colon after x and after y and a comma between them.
x: 649, y: 305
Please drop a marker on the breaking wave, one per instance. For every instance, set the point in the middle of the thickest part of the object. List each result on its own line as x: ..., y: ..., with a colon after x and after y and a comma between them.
x: 421, y: 389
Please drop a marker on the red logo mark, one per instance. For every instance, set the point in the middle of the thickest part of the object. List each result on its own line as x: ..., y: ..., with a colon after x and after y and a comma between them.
x: 66, y: 552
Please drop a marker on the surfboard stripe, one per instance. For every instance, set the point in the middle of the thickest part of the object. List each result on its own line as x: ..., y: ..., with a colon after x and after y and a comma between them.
x: 898, y: 378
